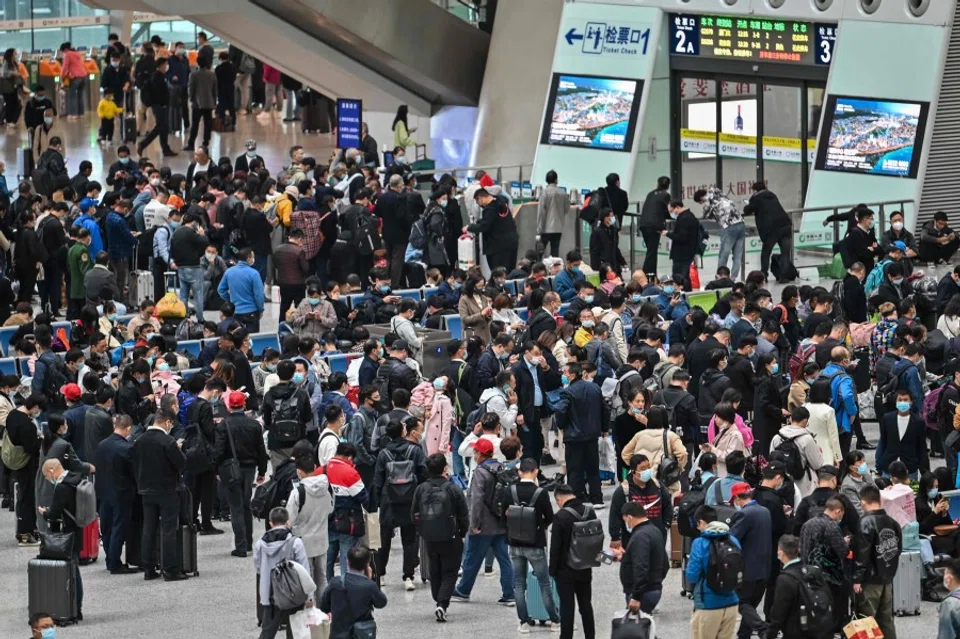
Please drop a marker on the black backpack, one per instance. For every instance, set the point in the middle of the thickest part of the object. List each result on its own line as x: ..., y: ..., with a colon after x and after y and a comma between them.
x: 669, y: 470
x: 725, y: 567
x: 382, y: 381
x: 437, y: 522
x: 418, y: 234
x: 266, y: 496
x: 501, y: 497
x: 586, y: 540
x: 55, y: 379
x: 368, y: 238
x: 522, y: 518
x: 725, y: 511
x: 473, y: 417
x: 693, y: 499
x: 196, y: 450
x: 816, y: 601
x: 795, y: 462
x: 401, y: 478
x: 286, y: 421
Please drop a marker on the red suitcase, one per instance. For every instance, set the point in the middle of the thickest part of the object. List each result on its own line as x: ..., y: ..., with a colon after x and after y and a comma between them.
x: 91, y: 542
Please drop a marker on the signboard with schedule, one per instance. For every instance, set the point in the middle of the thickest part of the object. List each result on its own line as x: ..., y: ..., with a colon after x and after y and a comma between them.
x: 752, y: 39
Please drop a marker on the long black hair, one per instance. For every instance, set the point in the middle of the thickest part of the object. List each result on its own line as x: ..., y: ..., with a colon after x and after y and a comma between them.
x: 400, y: 117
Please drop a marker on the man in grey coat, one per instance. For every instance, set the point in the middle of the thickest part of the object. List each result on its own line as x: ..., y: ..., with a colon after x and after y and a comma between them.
x: 552, y: 210
x: 486, y: 529
x: 202, y: 93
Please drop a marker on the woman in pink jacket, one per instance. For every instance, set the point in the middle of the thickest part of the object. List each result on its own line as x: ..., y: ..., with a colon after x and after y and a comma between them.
x: 73, y: 76
x: 271, y: 78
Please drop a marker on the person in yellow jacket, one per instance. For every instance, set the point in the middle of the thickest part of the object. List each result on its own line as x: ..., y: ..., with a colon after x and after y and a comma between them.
x: 107, y: 110
x: 401, y: 130
x: 286, y: 203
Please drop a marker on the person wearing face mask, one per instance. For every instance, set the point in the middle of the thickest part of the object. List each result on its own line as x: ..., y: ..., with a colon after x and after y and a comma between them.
x: 684, y: 237
x: 669, y: 302
x: 202, y: 468
x: 823, y: 422
x: 63, y: 486
x: 242, y: 287
x: 189, y: 249
x: 642, y: 487
x: 741, y: 371
x: 643, y: 560
x: 116, y: 492
x: 713, y: 382
x: 45, y: 133
x: 564, y: 283
x: 57, y: 446
x: 751, y: 526
x: 787, y: 616
x: 861, y: 241
x: 286, y: 410
x: 950, y: 608
x: 314, y: 315
x: 534, y: 378
x: 604, y: 242
x: 435, y: 231
x: 903, y: 438
x: 159, y: 462
x: 585, y: 297
x: 22, y: 431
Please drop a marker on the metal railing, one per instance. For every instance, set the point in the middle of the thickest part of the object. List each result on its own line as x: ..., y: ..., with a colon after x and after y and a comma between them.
x: 496, y: 171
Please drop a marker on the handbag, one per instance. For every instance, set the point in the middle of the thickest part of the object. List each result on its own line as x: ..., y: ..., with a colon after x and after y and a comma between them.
x: 56, y: 546
x: 372, y: 537
x: 364, y: 630
x: 862, y: 628
x: 632, y: 625
x: 229, y: 470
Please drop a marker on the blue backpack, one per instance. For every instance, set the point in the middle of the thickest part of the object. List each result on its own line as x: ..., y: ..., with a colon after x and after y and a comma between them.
x: 876, y: 277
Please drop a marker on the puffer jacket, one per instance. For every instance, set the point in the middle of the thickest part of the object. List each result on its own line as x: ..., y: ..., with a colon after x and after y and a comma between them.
x: 712, y: 385
x: 309, y: 519
x: 877, y: 549
x: 704, y: 598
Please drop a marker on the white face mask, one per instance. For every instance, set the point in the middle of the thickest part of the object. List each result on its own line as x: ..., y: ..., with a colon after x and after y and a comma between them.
x: 898, y: 226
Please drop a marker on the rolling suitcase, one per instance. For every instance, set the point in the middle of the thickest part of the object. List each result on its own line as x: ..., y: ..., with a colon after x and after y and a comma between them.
x: 25, y: 162
x: 91, y: 543
x: 141, y: 280
x: 52, y: 586
x: 186, y: 550
x: 424, y: 562
x: 906, y: 585
x: 861, y: 375
x: 686, y: 590
x: 676, y: 546
x: 536, y: 609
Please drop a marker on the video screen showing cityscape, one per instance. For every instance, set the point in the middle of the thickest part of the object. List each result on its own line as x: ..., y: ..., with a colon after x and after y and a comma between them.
x: 592, y: 112
x: 873, y: 136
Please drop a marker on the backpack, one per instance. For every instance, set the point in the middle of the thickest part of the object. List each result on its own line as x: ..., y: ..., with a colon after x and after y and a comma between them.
x: 56, y: 376
x: 798, y: 359
x: 189, y: 329
x: 816, y: 601
x: 86, y: 512
x: 660, y: 400
x: 267, y: 496
x: 382, y: 383
x: 794, y: 461
x: 838, y: 292
x: 586, y: 540
x: 196, y: 450
x: 437, y: 522
x: 931, y: 408
x: 725, y: 566
x: 286, y: 421
x: 604, y: 370
x: 418, y: 234
x: 876, y: 277
x: 888, y: 391
x: 368, y: 238
x: 247, y: 64
x: 286, y: 589
x: 356, y: 430
x: 522, y: 518
x: 500, y: 498
x: 691, y: 500
x: 590, y: 210
x: 14, y: 457
x: 616, y: 402
x: 473, y: 417
x: 725, y: 511
x: 401, y: 480
x: 669, y: 470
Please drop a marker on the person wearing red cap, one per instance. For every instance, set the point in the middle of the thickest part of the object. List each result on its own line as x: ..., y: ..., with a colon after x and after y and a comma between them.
x: 752, y: 527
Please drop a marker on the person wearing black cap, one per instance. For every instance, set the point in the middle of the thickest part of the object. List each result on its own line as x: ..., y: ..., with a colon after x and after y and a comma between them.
x: 393, y: 372
x: 828, y: 483
x: 767, y: 496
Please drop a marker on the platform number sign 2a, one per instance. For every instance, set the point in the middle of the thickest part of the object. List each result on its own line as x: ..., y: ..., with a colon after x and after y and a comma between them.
x: 686, y: 35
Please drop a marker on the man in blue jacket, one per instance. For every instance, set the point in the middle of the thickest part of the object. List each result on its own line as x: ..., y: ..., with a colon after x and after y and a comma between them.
x: 241, y: 286
x: 565, y: 281
x: 714, y: 613
x: 120, y: 240
x: 87, y: 207
x: 669, y: 301
x: 752, y: 527
x: 583, y: 417
x: 843, y: 393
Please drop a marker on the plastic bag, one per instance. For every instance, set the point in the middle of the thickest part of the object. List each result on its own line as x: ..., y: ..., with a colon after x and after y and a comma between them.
x: 694, y: 276
x: 298, y: 625
x: 466, y: 251
x: 608, y: 455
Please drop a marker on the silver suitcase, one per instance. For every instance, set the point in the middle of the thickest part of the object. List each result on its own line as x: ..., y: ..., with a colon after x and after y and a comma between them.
x: 141, y: 286
x: 906, y: 585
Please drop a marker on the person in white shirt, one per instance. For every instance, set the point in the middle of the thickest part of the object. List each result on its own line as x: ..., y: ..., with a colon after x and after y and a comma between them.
x: 402, y: 325
x: 502, y: 400
x: 330, y: 437
x: 488, y: 428
x: 156, y: 212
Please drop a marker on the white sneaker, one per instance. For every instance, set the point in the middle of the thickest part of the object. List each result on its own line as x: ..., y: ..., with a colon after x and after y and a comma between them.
x: 383, y: 582
x: 408, y: 585
x: 524, y: 628
x: 554, y: 626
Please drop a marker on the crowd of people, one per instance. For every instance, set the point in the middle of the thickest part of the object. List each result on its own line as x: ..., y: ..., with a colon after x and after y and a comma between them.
x: 733, y: 431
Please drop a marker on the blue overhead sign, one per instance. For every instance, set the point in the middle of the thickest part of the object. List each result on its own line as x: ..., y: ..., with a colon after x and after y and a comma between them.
x: 602, y: 38
x: 349, y: 117
x: 826, y: 41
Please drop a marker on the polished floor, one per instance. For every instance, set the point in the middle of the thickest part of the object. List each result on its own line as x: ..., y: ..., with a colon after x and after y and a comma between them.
x: 219, y: 604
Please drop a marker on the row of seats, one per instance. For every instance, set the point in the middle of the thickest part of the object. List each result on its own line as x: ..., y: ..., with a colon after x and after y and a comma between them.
x: 7, y: 332
x: 262, y: 341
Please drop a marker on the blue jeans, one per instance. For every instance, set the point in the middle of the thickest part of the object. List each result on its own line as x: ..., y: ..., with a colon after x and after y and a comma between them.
x: 537, y: 559
x: 733, y: 238
x: 191, y: 278
x: 260, y: 266
x: 340, y: 544
x: 473, y: 556
x: 458, y: 467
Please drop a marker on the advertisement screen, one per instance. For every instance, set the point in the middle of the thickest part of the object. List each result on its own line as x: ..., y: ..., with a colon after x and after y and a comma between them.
x: 867, y: 135
x: 592, y: 112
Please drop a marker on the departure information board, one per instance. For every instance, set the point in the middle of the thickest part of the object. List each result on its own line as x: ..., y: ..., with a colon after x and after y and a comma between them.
x: 753, y: 39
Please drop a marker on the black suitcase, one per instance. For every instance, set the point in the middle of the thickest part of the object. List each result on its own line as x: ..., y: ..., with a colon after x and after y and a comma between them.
x: 861, y: 375
x: 53, y: 589
x: 186, y: 550
x: 128, y: 129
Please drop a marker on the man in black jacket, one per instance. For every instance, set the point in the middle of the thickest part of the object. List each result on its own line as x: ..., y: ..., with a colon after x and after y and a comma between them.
x: 767, y: 496
x: 773, y: 225
x: 203, y: 474
x: 535, y: 378
x: 572, y: 584
x: 653, y: 220
x: 876, y: 556
x: 116, y: 492
x: 156, y: 95
x: 393, y: 373
x: 159, y: 462
x: 188, y: 249
x: 285, y: 401
x: 827, y: 487
x: 712, y: 384
x: 861, y: 241
x: 699, y: 350
x: 493, y: 360
x: 685, y: 238
x: 643, y: 562
x: 444, y: 548
x: 21, y: 429
x: 784, y: 612
x: 741, y: 372
x: 497, y: 229
x: 946, y: 409
x: 354, y: 597
x: 853, y: 301
x: 239, y: 437
x: 685, y: 419
x: 391, y: 208
x: 62, y: 510
x: 752, y: 528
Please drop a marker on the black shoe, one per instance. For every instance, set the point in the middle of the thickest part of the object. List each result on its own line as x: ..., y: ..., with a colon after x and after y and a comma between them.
x: 210, y: 530
x: 863, y: 444
x: 124, y: 570
x: 170, y: 154
x: 150, y: 575
x: 547, y: 460
x: 224, y: 518
x: 238, y: 553
x: 174, y: 576
x: 930, y: 594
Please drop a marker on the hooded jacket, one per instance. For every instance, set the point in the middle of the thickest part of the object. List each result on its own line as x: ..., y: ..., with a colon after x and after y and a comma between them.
x: 711, y: 387
x: 809, y: 450
x: 309, y: 520
x: 704, y: 598
x: 270, y: 550
x: 772, y: 219
x: 276, y: 396
x: 349, y: 491
x: 876, y: 551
